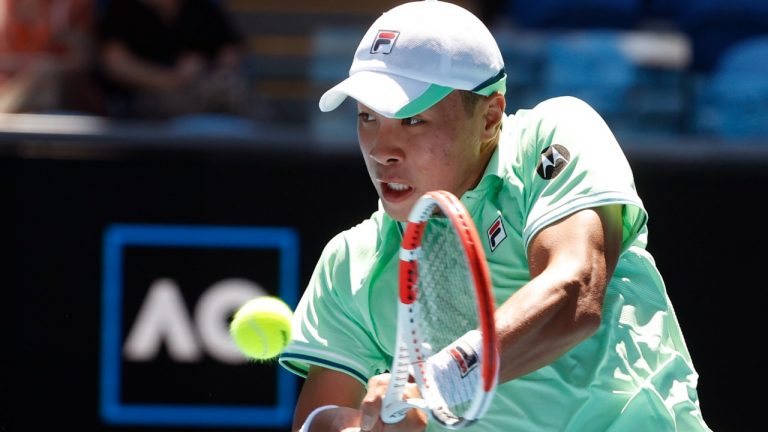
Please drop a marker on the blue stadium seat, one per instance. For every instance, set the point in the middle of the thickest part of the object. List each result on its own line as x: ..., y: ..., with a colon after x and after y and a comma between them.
x: 747, y: 57
x: 212, y: 125
x: 571, y: 14
x: 662, y: 9
x: 635, y: 99
x: 589, y: 65
x: 329, y: 62
x: 714, y: 25
x: 733, y: 100
x: 524, y: 56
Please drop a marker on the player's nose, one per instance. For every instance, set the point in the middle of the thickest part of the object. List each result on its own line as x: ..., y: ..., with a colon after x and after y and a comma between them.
x: 388, y: 147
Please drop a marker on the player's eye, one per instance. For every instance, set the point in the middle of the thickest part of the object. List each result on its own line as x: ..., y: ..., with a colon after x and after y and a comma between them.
x: 412, y: 121
x: 365, y: 117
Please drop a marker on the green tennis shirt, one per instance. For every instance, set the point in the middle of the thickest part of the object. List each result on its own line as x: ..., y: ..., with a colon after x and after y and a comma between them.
x: 634, y: 374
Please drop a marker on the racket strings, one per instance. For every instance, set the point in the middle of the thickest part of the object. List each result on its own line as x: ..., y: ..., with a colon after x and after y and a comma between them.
x: 447, y: 304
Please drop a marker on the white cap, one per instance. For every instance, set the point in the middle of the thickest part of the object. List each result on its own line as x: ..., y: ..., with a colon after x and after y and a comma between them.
x: 417, y: 53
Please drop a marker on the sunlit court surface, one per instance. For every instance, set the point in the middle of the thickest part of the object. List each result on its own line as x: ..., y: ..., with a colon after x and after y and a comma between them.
x: 164, y: 162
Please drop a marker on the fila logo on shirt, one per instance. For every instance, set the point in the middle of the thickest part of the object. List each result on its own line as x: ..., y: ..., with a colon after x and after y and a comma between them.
x: 496, y: 233
x: 384, y: 41
x: 553, y: 160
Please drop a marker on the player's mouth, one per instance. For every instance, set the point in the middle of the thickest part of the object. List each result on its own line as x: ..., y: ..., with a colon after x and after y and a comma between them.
x: 395, y: 192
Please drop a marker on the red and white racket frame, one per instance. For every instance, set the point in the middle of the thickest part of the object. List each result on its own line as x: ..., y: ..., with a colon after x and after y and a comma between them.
x: 410, y: 358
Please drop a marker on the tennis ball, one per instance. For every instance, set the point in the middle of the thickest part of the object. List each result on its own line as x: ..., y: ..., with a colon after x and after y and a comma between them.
x: 261, y: 327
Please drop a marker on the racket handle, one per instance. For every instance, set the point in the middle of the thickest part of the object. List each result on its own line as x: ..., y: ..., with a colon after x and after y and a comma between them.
x: 393, y: 407
x: 395, y: 411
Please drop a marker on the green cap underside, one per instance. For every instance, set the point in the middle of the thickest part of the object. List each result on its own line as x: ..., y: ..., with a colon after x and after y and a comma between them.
x: 435, y: 93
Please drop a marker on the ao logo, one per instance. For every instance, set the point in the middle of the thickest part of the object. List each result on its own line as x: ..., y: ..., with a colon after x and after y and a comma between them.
x: 163, y: 320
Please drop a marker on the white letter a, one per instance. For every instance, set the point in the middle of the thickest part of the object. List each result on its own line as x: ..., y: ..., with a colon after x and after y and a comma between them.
x: 162, y: 318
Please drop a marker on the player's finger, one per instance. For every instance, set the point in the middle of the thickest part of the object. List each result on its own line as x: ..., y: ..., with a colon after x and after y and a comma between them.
x: 371, y: 404
x: 370, y: 416
x: 416, y: 420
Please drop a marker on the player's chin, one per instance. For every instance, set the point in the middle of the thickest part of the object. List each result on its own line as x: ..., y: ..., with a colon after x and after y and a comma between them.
x: 398, y: 211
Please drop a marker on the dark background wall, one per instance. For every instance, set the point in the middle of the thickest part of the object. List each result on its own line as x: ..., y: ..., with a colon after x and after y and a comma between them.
x: 706, y: 232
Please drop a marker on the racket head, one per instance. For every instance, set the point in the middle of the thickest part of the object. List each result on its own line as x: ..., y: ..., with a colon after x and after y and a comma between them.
x: 445, y: 292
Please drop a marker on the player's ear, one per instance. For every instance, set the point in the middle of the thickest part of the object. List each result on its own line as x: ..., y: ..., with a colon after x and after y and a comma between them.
x: 493, y: 112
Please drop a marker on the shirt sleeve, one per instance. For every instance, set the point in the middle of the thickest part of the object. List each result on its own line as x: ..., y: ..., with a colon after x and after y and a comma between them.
x: 328, y: 326
x: 571, y: 161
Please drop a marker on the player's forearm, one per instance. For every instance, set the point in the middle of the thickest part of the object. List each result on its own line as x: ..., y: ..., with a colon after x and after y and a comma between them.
x: 126, y: 68
x: 571, y: 262
x: 542, y: 321
x: 325, y: 387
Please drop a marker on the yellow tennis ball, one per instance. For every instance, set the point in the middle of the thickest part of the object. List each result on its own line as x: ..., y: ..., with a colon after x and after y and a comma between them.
x: 261, y: 328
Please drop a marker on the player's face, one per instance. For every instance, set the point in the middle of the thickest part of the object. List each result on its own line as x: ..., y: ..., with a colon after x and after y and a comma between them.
x: 441, y: 148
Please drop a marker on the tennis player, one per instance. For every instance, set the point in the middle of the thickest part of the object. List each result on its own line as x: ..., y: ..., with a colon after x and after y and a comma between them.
x: 589, y: 340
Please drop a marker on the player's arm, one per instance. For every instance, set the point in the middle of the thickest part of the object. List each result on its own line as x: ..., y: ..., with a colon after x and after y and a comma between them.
x: 329, y: 387
x: 571, y: 262
x: 358, y: 408
x: 123, y: 66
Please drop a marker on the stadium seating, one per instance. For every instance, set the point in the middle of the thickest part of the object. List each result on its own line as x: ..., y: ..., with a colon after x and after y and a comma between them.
x: 589, y: 65
x: 331, y: 57
x: 638, y: 89
x: 733, y: 100
x: 549, y: 14
x: 524, y: 55
x: 280, y: 42
x: 299, y: 49
x: 666, y: 10
x: 714, y: 25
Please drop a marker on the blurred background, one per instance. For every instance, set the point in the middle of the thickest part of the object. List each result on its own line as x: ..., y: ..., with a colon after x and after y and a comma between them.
x: 161, y: 161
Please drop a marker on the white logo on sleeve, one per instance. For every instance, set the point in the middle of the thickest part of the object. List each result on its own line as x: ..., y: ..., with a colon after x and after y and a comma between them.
x: 553, y: 160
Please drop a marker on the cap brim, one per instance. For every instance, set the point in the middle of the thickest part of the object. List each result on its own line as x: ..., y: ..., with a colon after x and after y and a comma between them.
x: 389, y: 95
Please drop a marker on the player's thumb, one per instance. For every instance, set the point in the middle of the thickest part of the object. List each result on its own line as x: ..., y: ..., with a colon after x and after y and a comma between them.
x: 367, y: 423
x: 372, y: 402
x: 370, y: 408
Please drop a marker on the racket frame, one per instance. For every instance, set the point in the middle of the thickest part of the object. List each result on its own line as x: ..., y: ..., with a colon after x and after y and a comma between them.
x: 411, y: 356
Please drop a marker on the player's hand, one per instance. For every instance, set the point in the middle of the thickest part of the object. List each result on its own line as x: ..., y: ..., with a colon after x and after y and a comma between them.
x: 415, y: 420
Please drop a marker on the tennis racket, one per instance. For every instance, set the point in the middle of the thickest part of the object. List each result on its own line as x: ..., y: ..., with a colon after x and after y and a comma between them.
x: 446, y: 337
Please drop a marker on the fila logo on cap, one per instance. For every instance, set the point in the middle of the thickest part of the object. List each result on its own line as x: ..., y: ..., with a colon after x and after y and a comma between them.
x: 384, y: 41
x: 496, y: 233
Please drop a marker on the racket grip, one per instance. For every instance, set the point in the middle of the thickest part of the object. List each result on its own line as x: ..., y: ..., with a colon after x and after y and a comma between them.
x: 395, y: 411
x: 393, y: 407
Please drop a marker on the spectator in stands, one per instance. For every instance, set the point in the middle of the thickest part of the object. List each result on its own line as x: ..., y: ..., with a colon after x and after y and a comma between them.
x: 44, y: 56
x: 165, y: 58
